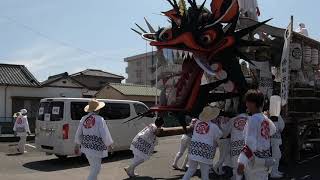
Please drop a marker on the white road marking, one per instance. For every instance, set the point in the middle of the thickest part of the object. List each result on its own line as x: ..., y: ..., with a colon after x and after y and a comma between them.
x: 32, y: 146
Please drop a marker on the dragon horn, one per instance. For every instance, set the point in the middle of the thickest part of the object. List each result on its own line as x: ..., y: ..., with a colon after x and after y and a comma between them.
x: 144, y: 31
x: 243, y: 32
x: 136, y: 31
x: 149, y: 26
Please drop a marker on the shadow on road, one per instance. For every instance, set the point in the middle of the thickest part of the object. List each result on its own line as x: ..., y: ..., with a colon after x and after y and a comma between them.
x: 73, y: 162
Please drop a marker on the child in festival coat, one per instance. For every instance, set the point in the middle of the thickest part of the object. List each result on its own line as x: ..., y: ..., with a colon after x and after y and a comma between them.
x: 143, y: 145
x: 255, y: 159
x: 21, y: 129
x: 203, y: 144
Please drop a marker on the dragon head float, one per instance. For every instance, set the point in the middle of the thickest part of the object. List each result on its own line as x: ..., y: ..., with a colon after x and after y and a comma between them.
x: 203, y: 41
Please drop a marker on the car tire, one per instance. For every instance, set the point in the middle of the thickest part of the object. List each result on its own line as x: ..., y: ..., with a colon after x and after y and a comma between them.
x: 61, y: 157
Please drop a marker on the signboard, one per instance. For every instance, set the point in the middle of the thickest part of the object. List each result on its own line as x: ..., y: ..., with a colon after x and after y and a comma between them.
x: 284, y: 67
x: 41, y: 110
x: 47, y: 117
x: 55, y: 110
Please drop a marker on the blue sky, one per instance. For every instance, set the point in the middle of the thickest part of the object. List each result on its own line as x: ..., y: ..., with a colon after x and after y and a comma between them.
x: 51, y: 37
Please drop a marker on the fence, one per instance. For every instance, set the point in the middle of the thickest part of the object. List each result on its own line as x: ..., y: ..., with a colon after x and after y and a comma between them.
x: 6, y: 125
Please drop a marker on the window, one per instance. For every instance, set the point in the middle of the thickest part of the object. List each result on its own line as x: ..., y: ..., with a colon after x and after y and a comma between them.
x: 51, y: 111
x: 140, y: 109
x: 138, y: 63
x: 110, y: 112
x: 77, y: 110
x: 139, y: 74
x: 115, y: 111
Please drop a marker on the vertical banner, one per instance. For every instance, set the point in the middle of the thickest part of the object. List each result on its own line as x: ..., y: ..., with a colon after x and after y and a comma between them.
x: 285, y: 70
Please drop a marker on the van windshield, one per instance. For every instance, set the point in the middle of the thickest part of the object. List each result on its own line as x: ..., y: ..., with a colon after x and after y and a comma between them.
x: 51, y: 111
x: 112, y: 111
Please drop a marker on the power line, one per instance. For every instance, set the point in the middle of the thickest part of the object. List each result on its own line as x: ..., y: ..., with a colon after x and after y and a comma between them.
x: 45, y: 36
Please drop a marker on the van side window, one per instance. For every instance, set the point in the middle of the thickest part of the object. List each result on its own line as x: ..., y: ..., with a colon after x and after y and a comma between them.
x: 114, y: 111
x: 51, y: 111
x: 140, y: 109
x: 77, y: 110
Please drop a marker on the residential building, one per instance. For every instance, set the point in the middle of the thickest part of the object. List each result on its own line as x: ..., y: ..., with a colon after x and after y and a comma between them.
x: 143, y: 93
x: 90, y: 80
x: 95, y: 79
x: 141, y: 69
x: 20, y: 89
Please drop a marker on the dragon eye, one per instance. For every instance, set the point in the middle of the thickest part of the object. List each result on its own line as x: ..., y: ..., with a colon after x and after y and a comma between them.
x: 165, y: 35
x: 207, y: 37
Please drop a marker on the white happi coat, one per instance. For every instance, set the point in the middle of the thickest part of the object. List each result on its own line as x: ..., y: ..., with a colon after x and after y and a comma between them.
x: 21, y: 126
x: 235, y: 127
x: 94, y: 136
x: 204, y: 141
x: 144, y: 142
x: 276, y: 138
x: 257, y: 133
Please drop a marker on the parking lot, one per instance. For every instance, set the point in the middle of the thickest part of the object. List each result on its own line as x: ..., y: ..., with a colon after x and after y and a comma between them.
x: 36, y: 165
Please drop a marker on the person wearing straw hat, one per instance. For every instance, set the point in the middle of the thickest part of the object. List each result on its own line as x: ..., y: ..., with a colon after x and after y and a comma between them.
x: 21, y: 129
x: 93, y: 137
x: 143, y: 144
x: 203, y: 143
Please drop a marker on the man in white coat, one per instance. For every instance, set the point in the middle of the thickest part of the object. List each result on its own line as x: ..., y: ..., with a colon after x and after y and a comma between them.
x: 21, y: 129
x: 203, y: 143
x: 255, y: 158
x: 235, y: 127
x: 93, y: 137
x: 276, y: 142
x: 249, y: 8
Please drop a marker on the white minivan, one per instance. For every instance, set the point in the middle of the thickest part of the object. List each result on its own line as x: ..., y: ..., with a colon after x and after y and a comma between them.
x: 58, y: 120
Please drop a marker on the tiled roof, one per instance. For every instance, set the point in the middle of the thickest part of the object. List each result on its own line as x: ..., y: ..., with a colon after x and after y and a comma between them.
x: 54, y: 78
x: 96, y: 72
x: 17, y: 75
x: 135, y: 90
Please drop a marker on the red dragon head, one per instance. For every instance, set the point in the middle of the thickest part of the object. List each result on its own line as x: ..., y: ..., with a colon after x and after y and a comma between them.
x: 205, y: 41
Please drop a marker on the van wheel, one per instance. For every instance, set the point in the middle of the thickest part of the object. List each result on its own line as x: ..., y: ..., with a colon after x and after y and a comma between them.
x: 61, y: 157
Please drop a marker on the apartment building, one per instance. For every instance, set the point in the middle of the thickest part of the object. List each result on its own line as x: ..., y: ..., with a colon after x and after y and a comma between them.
x: 141, y: 69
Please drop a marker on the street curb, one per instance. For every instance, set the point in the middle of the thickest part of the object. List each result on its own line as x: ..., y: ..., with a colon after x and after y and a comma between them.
x: 12, y: 138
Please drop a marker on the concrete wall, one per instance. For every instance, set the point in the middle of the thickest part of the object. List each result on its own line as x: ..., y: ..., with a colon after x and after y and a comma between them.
x: 33, y: 92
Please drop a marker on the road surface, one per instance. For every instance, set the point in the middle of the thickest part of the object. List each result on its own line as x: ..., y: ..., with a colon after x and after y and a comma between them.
x: 36, y: 165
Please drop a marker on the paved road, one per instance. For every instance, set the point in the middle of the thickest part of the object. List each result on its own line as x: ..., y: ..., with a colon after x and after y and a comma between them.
x: 38, y: 166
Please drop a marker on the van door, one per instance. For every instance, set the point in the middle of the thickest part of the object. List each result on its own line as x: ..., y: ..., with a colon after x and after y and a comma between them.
x: 115, y: 113
x: 144, y: 121
x: 50, y: 124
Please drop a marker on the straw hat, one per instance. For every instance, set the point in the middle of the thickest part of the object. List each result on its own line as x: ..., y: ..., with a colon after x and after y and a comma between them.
x: 209, y: 113
x: 94, y: 105
x: 23, y: 111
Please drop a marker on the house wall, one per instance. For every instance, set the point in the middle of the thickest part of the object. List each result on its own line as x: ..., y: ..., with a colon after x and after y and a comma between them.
x: 111, y: 93
x: 29, y: 92
x: 29, y: 98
